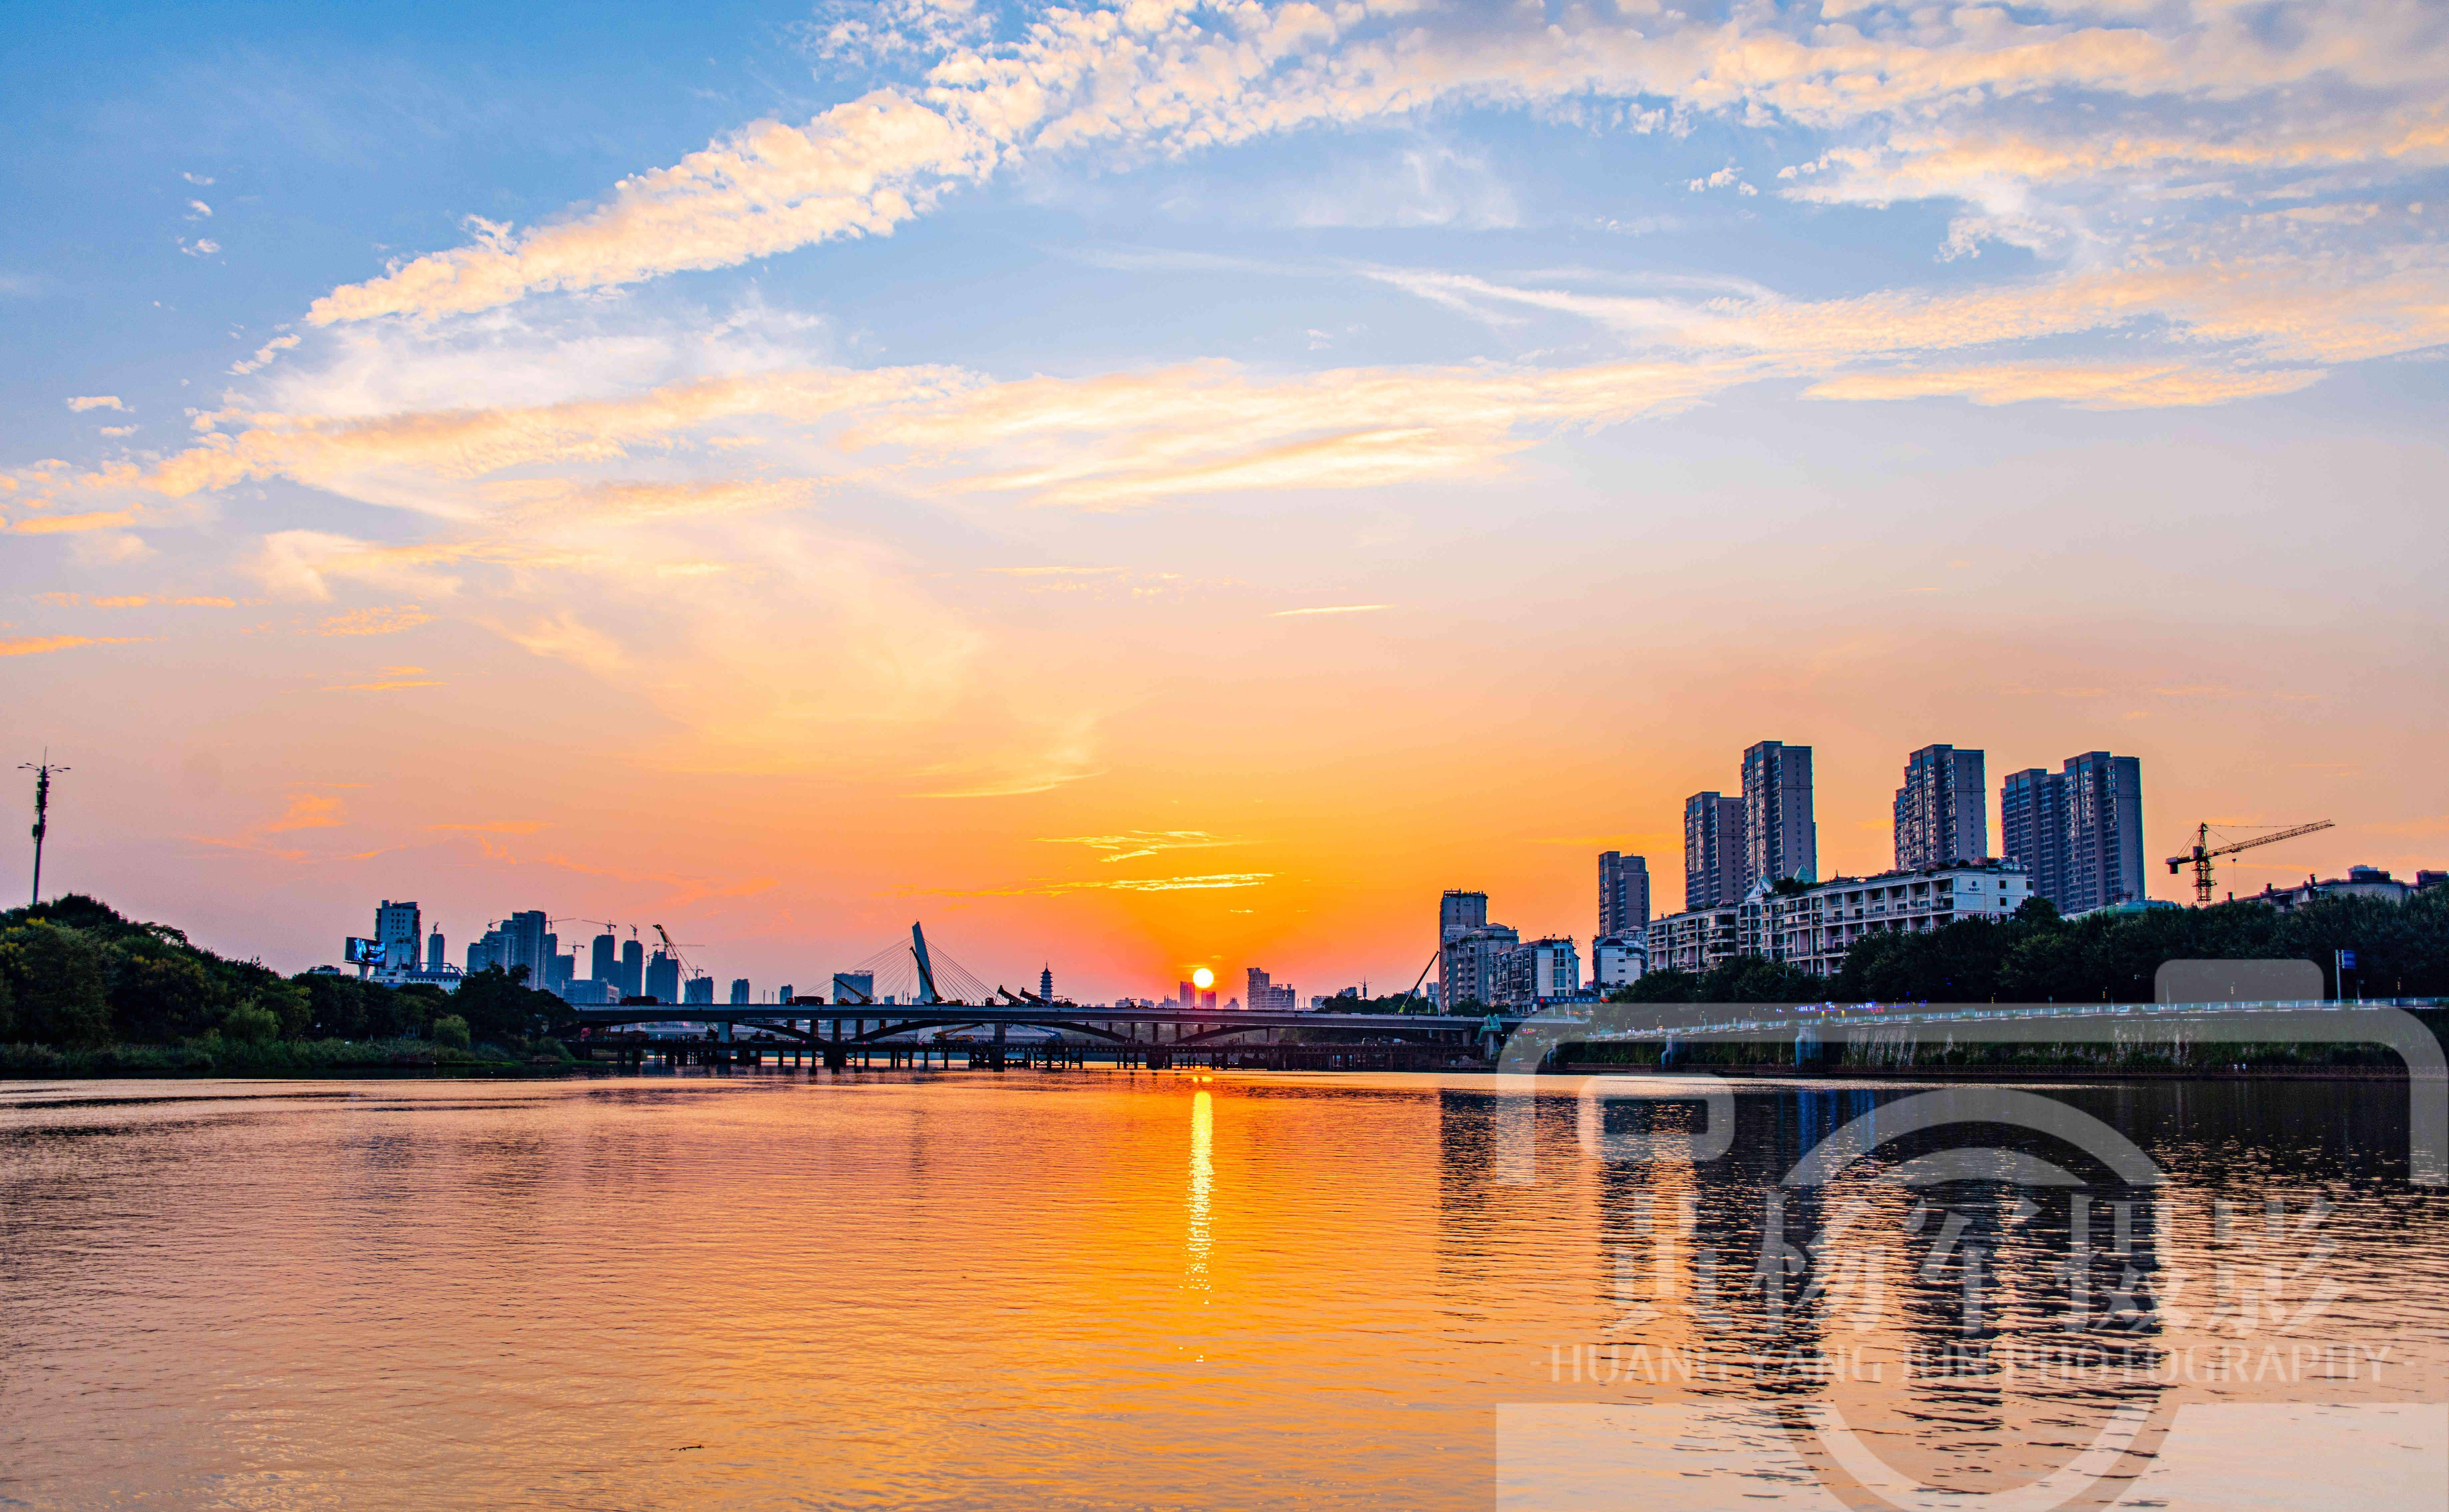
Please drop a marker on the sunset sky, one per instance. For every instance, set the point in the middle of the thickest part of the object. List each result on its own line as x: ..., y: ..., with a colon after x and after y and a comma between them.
x: 1160, y: 485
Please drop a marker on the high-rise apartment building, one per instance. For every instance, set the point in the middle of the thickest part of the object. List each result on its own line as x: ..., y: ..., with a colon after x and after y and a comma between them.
x: 604, y: 961
x: 633, y: 980
x: 664, y: 978
x: 490, y: 952
x: 1781, y: 837
x: 740, y: 991
x: 698, y: 989
x: 1459, y: 912
x: 1189, y: 998
x: 1467, y: 965
x: 2103, y: 831
x: 1624, y: 893
x: 398, y: 928
x: 2077, y: 832
x: 1942, y: 812
x: 529, y: 944
x: 436, y: 953
x: 1713, y: 851
x: 853, y: 986
x: 1267, y: 997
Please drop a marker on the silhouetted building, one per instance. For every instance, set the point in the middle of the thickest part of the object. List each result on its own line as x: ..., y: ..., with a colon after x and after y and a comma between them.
x: 1713, y: 851
x: 1781, y: 837
x: 664, y: 978
x: 604, y: 961
x: 1267, y: 997
x: 1189, y: 998
x: 489, y: 951
x: 436, y: 954
x: 1942, y: 812
x: 1207, y: 1002
x: 1045, y: 984
x: 2360, y: 882
x: 2078, y: 833
x: 853, y: 986
x: 740, y: 991
x: 1624, y: 893
x: 698, y: 989
x: 633, y: 980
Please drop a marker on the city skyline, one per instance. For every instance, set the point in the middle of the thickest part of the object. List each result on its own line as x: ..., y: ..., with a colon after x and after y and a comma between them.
x: 1110, y: 478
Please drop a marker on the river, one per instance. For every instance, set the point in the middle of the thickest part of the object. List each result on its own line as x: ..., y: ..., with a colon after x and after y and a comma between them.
x: 1121, y: 1289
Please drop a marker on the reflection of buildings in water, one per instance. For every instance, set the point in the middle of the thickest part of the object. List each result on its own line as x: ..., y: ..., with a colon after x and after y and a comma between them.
x: 1509, y: 1183
x: 1197, y: 1199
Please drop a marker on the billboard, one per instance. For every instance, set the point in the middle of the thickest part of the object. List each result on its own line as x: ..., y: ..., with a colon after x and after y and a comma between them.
x: 359, y: 952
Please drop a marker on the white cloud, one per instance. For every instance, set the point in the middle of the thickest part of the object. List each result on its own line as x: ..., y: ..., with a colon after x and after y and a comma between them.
x: 264, y: 356
x: 96, y: 401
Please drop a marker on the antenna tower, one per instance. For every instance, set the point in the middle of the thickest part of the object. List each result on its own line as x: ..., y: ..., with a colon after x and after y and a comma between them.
x: 42, y: 812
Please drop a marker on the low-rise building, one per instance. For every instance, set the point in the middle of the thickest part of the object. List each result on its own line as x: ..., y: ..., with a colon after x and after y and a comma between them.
x: 1617, y: 961
x: 1813, y: 927
x: 1695, y: 940
x: 1534, y: 972
x: 2360, y: 882
x: 447, y: 978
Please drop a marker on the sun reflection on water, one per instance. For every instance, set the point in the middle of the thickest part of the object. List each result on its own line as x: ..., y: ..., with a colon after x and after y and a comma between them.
x: 1203, y: 1185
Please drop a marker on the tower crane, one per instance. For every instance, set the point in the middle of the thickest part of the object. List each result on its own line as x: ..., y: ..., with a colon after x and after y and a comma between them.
x: 2200, y: 857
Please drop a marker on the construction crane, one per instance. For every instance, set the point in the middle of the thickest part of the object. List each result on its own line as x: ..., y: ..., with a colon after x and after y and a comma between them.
x: 2200, y: 857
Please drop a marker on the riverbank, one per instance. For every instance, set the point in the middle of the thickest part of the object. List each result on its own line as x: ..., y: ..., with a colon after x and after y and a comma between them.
x: 282, y: 1058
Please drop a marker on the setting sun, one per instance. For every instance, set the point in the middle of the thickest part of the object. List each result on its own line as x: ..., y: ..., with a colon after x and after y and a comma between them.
x: 1203, y: 979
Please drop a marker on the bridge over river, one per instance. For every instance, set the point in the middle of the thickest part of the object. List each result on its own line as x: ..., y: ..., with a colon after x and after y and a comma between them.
x: 837, y: 1033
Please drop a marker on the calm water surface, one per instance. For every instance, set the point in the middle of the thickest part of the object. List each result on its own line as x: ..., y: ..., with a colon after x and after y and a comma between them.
x: 1109, y: 1288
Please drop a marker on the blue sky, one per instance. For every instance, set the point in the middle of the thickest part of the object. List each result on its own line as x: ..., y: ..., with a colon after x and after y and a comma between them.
x: 921, y: 421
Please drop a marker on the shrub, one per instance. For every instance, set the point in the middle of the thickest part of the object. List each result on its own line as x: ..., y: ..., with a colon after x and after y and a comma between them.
x: 252, y: 1023
x: 450, y: 1029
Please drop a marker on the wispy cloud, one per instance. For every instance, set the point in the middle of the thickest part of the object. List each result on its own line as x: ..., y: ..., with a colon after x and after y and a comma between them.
x: 1331, y: 608
x: 387, y: 620
x: 96, y: 402
x: 39, y: 645
x: 1133, y: 844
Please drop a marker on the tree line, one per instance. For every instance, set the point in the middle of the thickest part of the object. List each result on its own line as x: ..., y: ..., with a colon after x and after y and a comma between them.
x: 75, y: 973
x: 2036, y: 956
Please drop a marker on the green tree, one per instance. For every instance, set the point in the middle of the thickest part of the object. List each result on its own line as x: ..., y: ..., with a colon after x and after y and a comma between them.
x: 501, y: 1010
x: 1658, y: 987
x: 58, y: 982
x: 252, y: 1023
x: 450, y: 1029
x: 161, y: 994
